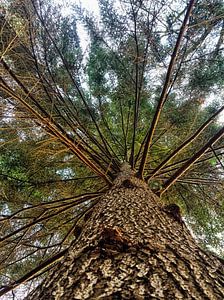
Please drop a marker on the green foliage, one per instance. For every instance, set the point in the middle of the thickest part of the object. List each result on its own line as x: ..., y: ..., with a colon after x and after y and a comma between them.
x: 209, y: 74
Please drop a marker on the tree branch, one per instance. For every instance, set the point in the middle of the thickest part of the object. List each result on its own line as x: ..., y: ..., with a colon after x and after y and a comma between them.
x: 166, y: 86
x: 185, y: 143
x: 191, y: 161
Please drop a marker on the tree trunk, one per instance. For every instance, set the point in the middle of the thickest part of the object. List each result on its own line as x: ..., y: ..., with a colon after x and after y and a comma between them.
x: 134, y: 248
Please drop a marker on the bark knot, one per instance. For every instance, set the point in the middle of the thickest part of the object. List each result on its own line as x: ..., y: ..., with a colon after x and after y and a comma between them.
x: 127, y: 183
x: 112, y: 240
x: 173, y: 210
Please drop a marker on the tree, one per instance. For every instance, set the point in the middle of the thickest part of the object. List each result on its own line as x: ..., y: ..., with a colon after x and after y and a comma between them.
x: 106, y: 154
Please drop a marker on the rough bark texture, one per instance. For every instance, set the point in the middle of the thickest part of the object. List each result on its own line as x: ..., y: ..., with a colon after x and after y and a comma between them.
x: 133, y: 248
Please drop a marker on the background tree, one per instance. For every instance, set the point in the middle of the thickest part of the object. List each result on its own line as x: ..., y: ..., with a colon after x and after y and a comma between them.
x: 69, y: 120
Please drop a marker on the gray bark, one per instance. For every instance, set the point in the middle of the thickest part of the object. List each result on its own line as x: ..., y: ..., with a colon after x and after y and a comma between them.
x: 134, y: 248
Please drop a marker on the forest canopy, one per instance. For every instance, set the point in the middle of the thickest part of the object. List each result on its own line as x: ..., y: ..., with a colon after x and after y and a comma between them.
x: 147, y: 89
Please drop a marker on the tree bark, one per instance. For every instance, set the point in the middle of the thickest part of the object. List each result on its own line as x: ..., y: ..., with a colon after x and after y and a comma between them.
x: 134, y: 248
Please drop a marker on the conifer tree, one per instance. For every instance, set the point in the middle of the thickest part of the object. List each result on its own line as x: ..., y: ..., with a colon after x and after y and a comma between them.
x: 112, y: 155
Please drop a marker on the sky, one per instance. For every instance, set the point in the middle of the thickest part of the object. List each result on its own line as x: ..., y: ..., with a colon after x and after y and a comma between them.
x: 91, y: 5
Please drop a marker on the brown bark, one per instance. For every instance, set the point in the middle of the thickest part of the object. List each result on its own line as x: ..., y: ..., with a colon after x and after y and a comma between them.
x: 134, y: 248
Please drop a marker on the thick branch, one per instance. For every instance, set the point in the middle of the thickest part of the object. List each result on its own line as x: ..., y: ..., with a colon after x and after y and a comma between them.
x: 191, y: 161
x: 185, y: 144
x: 166, y: 86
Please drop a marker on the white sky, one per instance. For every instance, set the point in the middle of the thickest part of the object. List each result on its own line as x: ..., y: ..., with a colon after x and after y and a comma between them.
x: 91, y: 5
